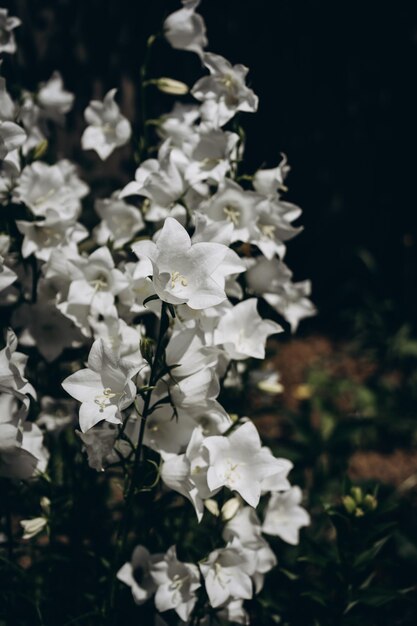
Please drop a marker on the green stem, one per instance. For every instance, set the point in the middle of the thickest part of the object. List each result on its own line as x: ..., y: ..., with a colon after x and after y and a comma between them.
x: 134, y: 480
x: 143, y: 148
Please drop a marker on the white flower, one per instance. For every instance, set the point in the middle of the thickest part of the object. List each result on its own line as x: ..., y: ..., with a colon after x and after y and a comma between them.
x: 245, y: 527
x: 42, y: 237
x: 270, y: 181
x: 120, y: 222
x: 7, y: 25
x: 227, y: 574
x: 187, y: 473
x: 43, y: 187
x: 273, y: 280
x: 225, y: 88
x: 185, y: 29
x: 239, y: 463
x: 234, y: 205
x: 161, y: 183
x: 54, y: 99
x: 188, y: 273
x: 243, y: 332
x: 108, y: 128
x: 284, y: 517
x: 137, y: 574
x: 210, y: 157
x: 93, y: 289
x: 104, y: 388
x: 7, y: 276
x: 176, y: 584
x: 12, y: 137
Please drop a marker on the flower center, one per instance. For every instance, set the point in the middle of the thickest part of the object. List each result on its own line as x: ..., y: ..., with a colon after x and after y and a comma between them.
x: 232, y: 214
x: 99, y: 283
x: 268, y: 230
x: 231, y: 473
x: 104, y: 399
x: 41, y: 199
x: 176, y: 277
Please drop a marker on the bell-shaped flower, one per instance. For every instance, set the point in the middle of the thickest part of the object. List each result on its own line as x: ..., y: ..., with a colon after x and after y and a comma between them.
x: 42, y: 187
x: 270, y: 182
x: 137, y: 574
x: 185, y: 29
x: 226, y: 88
x: 104, y: 388
x: 184, y: 272
x: 233, y: 204
x: 273, y: 227
x: 7, y: 26
x: 226, y: 573
x: 108, y: 128
x: 211, y: 156
x: 54, y: 99
x: 12, y: 137
x: 245, y: 527
x: 162, y: 185
x: 284, y: 516
x: 119, y: 222
x: 176, y: 584
x: 187, y: 473
x: 243, y: 333
x: 42, y: 237
x: 273, y: 281
x: 240, y: 463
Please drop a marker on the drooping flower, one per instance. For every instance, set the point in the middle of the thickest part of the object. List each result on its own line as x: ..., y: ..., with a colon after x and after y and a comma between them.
x: 185, y: 29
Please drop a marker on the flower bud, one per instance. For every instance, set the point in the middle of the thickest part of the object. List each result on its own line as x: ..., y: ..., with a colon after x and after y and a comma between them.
x: 370, y: 502
x: 171, y: 86
x: 32, y: 527
x: 230, y: 508
x: 357, y: 494
x: 349, y: 504
x: 147, y: 349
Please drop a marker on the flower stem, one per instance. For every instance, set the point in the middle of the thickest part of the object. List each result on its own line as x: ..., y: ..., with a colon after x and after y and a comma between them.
x: 135, y: 479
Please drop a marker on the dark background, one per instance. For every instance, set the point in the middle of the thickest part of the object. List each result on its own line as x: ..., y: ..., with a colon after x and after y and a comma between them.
x: 336, y: 82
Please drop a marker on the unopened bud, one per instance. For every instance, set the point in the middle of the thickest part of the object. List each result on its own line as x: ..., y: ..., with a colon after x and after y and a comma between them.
x: 212, y: 506
x: 357, y: 494
x: 230, y: 508
x: 32, y: 527
x: 45, y: 505
x: 349, y: 504
x: 147, y: 349
x: 40, y: 150
x: 370, y: 502
x: 171, y: 86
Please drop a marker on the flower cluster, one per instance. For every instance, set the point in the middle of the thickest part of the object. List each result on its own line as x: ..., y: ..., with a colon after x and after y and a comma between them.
x: 165, y: 298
